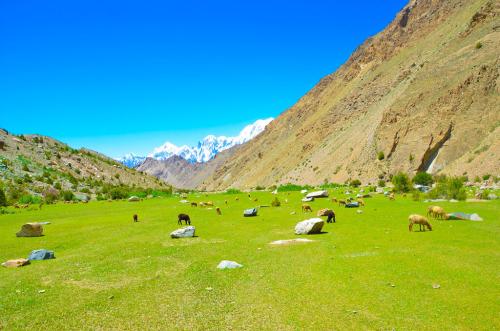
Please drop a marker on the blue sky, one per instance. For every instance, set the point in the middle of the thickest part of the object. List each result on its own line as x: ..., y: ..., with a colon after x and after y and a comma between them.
x: 125, y: 76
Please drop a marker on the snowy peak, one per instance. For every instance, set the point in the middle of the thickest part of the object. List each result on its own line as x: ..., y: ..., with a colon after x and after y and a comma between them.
x: 205, y: 150
x: 131, y: 160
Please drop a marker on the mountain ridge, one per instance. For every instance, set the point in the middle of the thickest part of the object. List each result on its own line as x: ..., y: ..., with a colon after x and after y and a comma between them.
x: 205, y: 150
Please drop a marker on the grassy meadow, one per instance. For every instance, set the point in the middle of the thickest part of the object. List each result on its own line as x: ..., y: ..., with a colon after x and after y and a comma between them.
x: 366, y: 272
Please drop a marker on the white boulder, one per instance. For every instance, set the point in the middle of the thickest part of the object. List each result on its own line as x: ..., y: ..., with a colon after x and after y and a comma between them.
x: 310, y: 226
x: 225, y: 264
x: 185, y: 232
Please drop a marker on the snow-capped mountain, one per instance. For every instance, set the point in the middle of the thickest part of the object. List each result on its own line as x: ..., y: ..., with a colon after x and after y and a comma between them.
x: 205, y: 150
x: 131, y: 160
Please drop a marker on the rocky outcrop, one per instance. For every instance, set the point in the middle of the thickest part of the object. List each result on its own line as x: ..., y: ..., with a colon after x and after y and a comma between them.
x: 30, y: 230
x: 424, y: 91
x: 310, y: 226
x: 185, y: 232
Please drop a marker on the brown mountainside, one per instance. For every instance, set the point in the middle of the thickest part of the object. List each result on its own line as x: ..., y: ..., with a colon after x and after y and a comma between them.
x: 423, y: 93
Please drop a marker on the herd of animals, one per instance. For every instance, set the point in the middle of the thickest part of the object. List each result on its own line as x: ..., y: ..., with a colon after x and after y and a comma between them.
x: 433, y: 211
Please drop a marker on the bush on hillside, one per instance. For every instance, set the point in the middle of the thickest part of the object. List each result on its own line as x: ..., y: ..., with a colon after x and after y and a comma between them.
x: 233, y: 191
x: 3, y: 198
x: 449, y: 188
x: 355, y: 183
x: 292, y: 187
x: 423, y: 178
x: 67, y: 195
x: 380, y: 156
x: 401, y: 182
x: 381, y: 183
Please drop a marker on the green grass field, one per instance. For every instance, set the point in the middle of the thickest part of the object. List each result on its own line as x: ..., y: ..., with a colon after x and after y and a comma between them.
x: 368, y: 272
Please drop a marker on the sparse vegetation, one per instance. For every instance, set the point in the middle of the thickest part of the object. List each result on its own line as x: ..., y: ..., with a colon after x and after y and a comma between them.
x: 423, y: 178
x: 355, y: 183
x: 479, y: 45
x: 381, y: 183
x: 380, y: 156
x: 276, y: 202
x: 401, y: 183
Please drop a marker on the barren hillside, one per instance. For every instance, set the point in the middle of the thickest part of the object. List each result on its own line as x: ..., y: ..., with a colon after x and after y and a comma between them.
x: 422, y: 95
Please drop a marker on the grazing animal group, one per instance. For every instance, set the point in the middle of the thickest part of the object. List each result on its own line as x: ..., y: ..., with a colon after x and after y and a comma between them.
x: 437, y: 212
x: 420, y: 220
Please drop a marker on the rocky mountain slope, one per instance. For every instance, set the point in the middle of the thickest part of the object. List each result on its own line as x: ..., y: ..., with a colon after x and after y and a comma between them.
x: 34, y: 164
x: 204, y: 151
x: 183, y: 174
x: 422, y: 95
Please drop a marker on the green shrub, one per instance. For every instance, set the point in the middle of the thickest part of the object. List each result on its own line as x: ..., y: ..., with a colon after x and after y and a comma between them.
x: 423, y: 178
x: 67, y: 195
x: 380, y: 156
x: 30, y: 199
x: 381, y: 183
x: 276, y: 202
x: 57, y: 186
x: 3, y: 198
x: 355, y: 183
x: 416, y: 195
x: 233, y: 191
x: 292, y: 187
x: 118, y: 193
x: 401, y: 183
x: 479, y: 45
x: 51, y: 195
x: 25, y: 167
x: 451, y: 188
x: 486, y: 177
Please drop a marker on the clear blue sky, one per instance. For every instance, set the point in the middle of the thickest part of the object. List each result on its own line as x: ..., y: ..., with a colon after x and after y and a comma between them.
x: 120, y: 76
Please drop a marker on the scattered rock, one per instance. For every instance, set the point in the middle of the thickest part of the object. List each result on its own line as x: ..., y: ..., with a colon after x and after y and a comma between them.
x: 184, y: 201
x: 359, y: 211
x: 41, y: 291
x: 436, y: 286
x: 293, y: 213
x: 290, y: 241
x: 41, y: 254
x: 30, y: 230
x: 208, y: 288
x: 225, y: 264
x: 111, y: 297
x: 15, y: 263
x: 310, y: 226
x: 185, y: 232
x: 134, y: 199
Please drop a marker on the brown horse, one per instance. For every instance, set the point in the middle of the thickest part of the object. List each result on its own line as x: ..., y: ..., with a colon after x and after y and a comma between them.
x: 218, y: 211
x: 306, y: 207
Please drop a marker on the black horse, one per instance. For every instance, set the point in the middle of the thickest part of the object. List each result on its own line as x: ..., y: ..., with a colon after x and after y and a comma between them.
x: 331, y: 217
x: 185, y: 218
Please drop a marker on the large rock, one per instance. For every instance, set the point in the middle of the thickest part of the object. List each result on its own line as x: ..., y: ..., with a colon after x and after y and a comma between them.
x: 185, y: 232
x: 134, y: 199
x: 225, y: 264
x: 41, y: 254
x: 318, y: 194
x: 15, y: 263
x: 30, y: 230
x: 310, y: 226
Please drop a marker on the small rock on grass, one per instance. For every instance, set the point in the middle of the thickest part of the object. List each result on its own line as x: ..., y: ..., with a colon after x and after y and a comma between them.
x: 225, y: 264
x: 436, y: 286
x: 41, y: 291
x: 208, y: 288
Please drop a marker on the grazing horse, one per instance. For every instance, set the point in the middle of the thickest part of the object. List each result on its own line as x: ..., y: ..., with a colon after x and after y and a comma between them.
x: 194, y: 204
x: 218, y: 211
x: 361, y: 202
x: 334, y: 200
x: 342, y: 202
x: 185, y: 218
x: 306, y: 207
x: 420, y: 220
x: 331, y: 216
x: 225, y: 201
x: 136, y: 218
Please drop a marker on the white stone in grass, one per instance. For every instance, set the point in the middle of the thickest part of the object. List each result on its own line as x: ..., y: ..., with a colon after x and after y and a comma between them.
x: 225, y: 264
x: 359, y: 211
x: 310, y: 226
x: 290, y: 241
x: 185, y: 232
x: 436, y: 286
